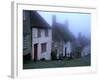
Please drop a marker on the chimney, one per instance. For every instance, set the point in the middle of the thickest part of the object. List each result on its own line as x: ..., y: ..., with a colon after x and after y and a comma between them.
x: 53, y: 19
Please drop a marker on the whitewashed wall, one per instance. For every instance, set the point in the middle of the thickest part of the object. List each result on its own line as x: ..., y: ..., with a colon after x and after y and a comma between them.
x: 42, y: 39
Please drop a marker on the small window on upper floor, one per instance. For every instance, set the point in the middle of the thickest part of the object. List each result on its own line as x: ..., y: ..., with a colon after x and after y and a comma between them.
x: 39, y: 33
x: 46, y: 32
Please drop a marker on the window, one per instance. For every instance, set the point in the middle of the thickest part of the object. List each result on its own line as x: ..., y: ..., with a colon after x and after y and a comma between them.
x: 39, y: 32
x: 43, y: 47
x: 46, y: 32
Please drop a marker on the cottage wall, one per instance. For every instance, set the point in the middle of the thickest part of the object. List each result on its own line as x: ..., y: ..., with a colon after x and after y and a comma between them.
x: 39, y: 41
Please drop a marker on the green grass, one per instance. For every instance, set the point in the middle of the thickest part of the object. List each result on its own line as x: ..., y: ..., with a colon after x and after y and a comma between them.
x: 85, y: 61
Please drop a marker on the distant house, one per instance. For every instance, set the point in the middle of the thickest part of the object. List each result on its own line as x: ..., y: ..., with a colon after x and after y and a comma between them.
x: 40, y: 37
x: 85, y: 51
x: 61, y: 38
x: 76, y: 48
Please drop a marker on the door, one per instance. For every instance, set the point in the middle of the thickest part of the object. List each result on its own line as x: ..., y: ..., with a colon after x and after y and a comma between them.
x: 35, y: 51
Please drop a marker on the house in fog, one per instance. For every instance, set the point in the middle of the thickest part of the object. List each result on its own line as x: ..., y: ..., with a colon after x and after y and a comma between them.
x: 61, y: 38
x: 76, y: 48
x: 40, y: 36
x: 85, y: 51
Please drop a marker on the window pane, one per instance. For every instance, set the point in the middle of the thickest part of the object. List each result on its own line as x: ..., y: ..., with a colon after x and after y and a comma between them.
x: 39, y: 32
x: 43, y: 47
x: 46, y: 32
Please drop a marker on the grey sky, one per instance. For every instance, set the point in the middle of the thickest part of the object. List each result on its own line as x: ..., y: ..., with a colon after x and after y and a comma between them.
x: 77, y: 22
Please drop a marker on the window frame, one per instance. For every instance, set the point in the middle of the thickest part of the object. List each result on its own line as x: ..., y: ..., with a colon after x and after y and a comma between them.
x: 38, y: 32
x: 43, y: 47
x: 46, y: 32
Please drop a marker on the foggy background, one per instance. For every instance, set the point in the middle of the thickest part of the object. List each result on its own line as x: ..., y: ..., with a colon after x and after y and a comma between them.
x: 77, y: 22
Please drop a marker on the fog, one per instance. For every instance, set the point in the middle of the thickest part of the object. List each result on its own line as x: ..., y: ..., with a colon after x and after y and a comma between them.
x: 77, y: 22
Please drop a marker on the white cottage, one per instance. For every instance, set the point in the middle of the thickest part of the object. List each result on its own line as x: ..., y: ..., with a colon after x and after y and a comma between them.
x: 41, y: 38
x: 37, y: 36
x: 41, y: 43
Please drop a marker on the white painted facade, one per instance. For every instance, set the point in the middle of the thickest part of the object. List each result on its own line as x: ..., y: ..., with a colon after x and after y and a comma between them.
x: 39, y: 41
x: 67, y: 52
x: 85, y: 51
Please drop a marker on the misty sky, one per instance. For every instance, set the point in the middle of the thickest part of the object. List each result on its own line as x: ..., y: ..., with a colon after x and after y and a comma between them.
x: 77, y: 22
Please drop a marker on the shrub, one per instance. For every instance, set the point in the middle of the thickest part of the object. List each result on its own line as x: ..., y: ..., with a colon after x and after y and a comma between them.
x: 42, y: 59
x: 27, y: 57
x: 54, y: 55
